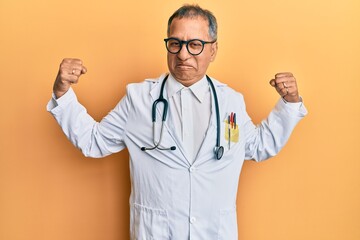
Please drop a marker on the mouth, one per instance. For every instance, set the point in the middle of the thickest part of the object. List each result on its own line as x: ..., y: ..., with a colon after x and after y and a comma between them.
x: 183, y: 66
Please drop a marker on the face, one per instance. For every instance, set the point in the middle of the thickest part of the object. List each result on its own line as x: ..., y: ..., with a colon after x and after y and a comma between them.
x: 186, y: 68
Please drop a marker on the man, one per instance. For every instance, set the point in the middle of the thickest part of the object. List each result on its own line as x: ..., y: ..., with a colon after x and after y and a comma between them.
x: 184, y: 170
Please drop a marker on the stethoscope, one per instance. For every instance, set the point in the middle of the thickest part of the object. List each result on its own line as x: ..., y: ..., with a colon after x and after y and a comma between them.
x: 218, y: 150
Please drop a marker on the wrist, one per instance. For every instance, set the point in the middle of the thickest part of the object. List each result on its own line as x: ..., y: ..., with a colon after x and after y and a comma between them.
x: 292, y: 99
x: 59, y: 94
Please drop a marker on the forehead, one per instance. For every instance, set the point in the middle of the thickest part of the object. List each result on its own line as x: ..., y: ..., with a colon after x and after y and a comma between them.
x: 189, y: 28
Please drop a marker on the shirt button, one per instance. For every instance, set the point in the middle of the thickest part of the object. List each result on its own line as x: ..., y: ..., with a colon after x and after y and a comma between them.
x: 192, y: 169
x: 192, y: 220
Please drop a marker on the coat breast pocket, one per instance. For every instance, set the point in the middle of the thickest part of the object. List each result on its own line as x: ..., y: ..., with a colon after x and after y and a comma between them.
x: 149, y: 223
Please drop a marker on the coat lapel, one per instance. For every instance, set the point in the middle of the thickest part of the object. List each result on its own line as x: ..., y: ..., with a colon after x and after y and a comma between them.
x: 206, y: 150
x: 169, y: 126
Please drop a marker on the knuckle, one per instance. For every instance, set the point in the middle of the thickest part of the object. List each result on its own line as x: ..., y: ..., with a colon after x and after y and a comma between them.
x: 71, y: 61
x: 66, y: 60
x: 77, y: 61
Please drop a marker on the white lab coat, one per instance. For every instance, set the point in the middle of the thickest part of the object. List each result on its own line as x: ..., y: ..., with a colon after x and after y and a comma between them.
x: 171, y: 198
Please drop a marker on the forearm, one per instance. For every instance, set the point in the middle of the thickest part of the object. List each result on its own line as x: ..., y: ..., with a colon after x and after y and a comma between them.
x: 270, y: 136
x: 78, y: 126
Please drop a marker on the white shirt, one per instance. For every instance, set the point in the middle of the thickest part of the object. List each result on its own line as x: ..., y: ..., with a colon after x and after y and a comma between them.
x: 189, y: 110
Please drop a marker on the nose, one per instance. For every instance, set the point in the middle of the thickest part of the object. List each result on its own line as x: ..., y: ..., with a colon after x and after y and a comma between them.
x: 183, y: 54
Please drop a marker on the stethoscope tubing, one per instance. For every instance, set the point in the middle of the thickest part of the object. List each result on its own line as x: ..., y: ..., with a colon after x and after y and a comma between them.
x: 218, y: 150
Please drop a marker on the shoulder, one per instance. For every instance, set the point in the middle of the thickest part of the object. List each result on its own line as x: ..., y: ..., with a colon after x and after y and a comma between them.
x: 147, y: 85
x: 224, y: 89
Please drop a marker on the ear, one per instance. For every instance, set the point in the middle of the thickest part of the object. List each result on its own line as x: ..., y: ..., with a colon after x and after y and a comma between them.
x: 214, y: 48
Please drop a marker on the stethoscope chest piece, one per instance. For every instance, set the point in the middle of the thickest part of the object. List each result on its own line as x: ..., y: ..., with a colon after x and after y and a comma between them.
x: 219, y: 152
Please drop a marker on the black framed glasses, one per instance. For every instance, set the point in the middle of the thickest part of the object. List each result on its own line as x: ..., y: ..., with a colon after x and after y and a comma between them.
x: 194, y: 46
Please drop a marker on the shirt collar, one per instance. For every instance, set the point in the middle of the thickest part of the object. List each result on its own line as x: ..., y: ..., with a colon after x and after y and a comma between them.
x: 199, y: 88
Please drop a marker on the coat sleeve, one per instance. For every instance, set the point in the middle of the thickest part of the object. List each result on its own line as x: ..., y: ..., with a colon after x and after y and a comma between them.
x: 270, y: 136
x: 94, y: 139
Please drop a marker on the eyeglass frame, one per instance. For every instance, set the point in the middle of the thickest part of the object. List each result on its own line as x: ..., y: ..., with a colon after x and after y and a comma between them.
x: 182, y: 42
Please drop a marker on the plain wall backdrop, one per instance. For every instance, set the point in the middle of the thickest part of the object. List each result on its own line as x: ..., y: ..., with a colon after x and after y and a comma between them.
x: 49, y: 191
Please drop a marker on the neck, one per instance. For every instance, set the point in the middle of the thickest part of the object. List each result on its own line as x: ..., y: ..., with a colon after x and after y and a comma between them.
x: 187, y: 82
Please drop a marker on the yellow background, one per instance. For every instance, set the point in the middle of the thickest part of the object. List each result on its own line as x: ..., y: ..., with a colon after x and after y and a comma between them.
x: 49, y: 191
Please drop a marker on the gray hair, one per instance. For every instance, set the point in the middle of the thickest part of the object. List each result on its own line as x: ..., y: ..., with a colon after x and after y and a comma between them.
x: 192, y: 11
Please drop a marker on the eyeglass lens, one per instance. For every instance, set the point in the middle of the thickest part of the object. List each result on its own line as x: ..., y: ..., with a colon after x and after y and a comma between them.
x: 194, y: 47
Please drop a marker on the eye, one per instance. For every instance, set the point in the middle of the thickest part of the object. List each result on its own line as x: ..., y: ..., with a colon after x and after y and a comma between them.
x: 173, y: 43
x: 195, y: 44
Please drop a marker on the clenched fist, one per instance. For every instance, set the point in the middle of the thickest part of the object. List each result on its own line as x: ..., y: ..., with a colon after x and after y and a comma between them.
x: 69, y: 72
x: 285, y: 85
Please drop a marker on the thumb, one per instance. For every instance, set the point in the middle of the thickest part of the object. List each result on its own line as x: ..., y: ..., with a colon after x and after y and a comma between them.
x: 272, y: 82
x: 83, y: 70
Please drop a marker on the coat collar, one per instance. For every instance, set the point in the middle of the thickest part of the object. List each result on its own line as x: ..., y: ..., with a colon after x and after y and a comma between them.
x: 210, y: 137
x: 155, y: 87
x: 199, y: 88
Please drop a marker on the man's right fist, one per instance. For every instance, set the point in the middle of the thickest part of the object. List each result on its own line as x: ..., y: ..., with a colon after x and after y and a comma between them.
x: 69, y: 72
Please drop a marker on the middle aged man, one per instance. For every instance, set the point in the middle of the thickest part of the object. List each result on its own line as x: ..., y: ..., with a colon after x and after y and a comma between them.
x: 185, y: 169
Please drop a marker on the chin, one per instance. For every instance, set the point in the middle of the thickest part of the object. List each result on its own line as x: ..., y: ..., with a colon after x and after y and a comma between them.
x: 183, y: 76
x: 185, y: 79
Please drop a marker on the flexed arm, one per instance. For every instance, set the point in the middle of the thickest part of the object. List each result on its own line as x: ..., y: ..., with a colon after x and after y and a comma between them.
x: 269, y: 137
x: 95, y: 139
